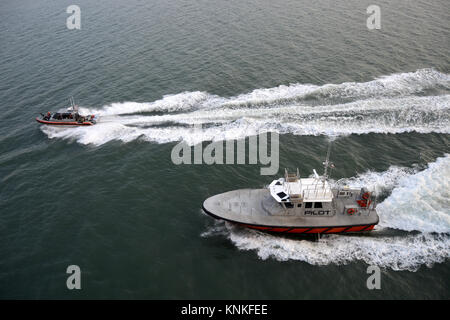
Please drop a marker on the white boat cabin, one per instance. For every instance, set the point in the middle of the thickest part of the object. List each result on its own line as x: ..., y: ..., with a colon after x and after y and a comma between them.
x: 292, y: 191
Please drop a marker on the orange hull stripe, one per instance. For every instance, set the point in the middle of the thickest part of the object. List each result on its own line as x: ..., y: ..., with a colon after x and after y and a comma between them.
x: 312, y: 230
x: 279, y: 229
x: 336, y: 230
x: 316, y: 230
x: 298, y: 230
x: 353, y: 229
x: 257, y: 227
x: 86, y: 123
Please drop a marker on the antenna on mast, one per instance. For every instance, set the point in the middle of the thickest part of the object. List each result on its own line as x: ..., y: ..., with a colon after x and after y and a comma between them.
x: 72, y: 104
x: 327, y: 163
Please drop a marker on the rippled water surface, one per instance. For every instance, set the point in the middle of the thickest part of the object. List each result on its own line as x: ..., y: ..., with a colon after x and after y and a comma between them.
x: 109, y: 199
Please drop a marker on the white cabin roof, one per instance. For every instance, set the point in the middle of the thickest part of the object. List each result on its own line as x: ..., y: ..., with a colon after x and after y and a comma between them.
x: 301, y: 190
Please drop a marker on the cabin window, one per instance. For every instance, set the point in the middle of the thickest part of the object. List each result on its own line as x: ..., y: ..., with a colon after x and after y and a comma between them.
x: 308, y: 205
x: 317, y: 204
x: 281, y: 194
x: 289, y: 205
x: 299, y: 205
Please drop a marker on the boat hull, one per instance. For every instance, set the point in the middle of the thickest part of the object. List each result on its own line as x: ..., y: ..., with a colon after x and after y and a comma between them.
x: 299, y: 229
x: 65, y: 123
x: 256, y: 209
x: 314, y: 230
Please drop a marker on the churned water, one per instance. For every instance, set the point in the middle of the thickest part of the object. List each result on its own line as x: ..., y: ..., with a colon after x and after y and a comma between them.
x: 108, y: 198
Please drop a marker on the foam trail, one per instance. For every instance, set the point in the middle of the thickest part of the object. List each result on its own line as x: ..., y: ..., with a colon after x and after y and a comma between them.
x: 398, y: 253
x: 420, y: 114
x: 170, y: 103
x: 393, y: 104
x: 377, y: 182
x: 399, y: 84
x: 419, y: 201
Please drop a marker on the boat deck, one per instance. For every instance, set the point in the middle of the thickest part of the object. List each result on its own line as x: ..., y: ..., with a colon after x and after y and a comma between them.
x: 257, y: 207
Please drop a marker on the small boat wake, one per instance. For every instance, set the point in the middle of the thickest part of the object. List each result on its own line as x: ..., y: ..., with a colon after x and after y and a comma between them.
x: 414, y: 228
x: 405, y: 102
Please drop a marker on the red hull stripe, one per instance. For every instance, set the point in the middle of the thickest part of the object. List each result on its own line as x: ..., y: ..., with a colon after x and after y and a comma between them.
x: 353, y: 229
x: 257, y: 227
x: 298, y: 230
x: 313, y: 230
x: 310, y: 230
x: 65, y: 123
x: 336, y: 230
x: 316, y: 230
x: 279, y: 229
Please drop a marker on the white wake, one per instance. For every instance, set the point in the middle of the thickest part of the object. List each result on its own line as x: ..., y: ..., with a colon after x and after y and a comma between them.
x: 415, y: 101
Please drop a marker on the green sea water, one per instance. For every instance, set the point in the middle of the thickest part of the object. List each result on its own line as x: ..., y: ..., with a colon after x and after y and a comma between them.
x: 109, y: 199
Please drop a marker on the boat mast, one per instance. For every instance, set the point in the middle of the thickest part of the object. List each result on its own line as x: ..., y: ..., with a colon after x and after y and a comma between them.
x: 72, y: 104
x: 327, y: 163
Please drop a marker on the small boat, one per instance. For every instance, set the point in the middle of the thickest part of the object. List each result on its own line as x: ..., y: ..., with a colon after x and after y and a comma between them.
x: 69, y: 118
x: 294, y: 205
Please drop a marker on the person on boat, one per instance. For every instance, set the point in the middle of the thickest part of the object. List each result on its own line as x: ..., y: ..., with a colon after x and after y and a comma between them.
x: 47, y: 117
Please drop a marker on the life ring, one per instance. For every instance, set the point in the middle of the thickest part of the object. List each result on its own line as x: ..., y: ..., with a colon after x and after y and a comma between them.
x: 351, y: 211
x: 366, y: 196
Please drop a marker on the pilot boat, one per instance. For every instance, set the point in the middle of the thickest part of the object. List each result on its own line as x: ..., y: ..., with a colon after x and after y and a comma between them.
x: 295, y: 205
x: 69, y: 118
